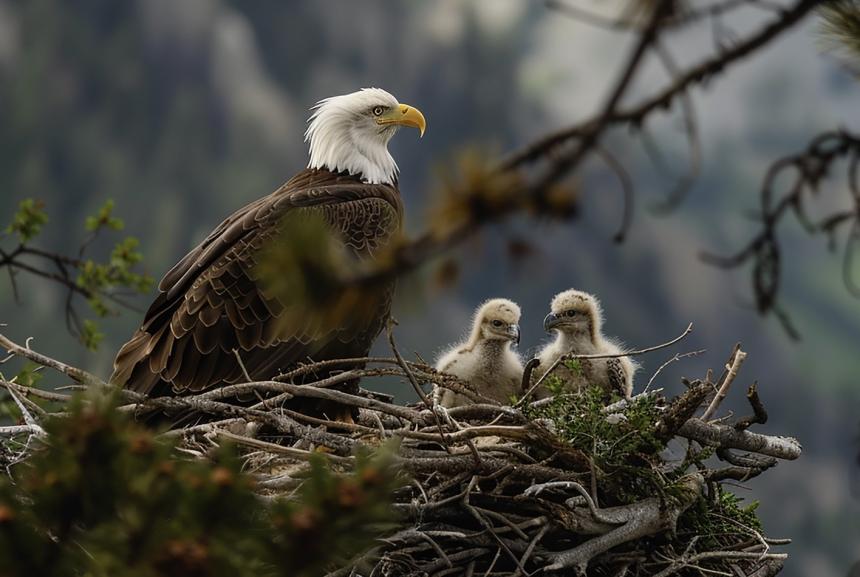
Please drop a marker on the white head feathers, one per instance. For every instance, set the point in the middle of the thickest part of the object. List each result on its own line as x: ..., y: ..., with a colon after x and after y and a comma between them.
x: 350, y: 133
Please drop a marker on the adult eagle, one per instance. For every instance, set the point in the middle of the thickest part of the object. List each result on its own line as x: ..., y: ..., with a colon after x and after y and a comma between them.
x: 211, y: 304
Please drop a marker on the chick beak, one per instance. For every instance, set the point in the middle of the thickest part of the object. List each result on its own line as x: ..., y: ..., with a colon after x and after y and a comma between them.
x: 550, y: 321
x: 514, y: 331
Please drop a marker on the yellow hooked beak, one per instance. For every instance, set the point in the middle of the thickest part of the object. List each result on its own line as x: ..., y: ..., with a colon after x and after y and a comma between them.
x: 404, y: 115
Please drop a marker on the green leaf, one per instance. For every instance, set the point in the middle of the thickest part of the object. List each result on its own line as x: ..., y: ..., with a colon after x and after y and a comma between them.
x: 29, y: 220
x: 99, y: 279
x: 104, y: 219
x: 125, y: 253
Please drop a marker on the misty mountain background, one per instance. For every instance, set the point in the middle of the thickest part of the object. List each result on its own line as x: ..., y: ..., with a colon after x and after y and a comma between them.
x: 184, y: 111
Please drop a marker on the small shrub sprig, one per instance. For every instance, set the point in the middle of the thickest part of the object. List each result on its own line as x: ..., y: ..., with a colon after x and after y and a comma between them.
x: 103, y: 283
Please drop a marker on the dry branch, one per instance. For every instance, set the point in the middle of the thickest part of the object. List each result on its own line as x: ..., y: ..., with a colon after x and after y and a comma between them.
x: 645, y: 518
x: 806, y: 170
x: 730, y: 438
x: 26, y: 352
x: 563, y: 152
x: 732, y: 368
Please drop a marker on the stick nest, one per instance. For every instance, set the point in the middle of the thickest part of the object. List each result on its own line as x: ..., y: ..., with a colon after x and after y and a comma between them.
x: 562, y: 486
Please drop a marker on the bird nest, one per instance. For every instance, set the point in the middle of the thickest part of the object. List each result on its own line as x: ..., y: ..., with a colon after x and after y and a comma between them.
x: 566, y: 485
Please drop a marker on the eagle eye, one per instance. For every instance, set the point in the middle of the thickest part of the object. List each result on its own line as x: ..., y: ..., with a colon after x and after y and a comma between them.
x: 571, y: 313
x: 378, y: 110
x: 497, y: 323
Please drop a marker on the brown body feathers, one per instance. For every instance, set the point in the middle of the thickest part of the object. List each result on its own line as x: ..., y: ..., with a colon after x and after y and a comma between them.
x: 212, y: 303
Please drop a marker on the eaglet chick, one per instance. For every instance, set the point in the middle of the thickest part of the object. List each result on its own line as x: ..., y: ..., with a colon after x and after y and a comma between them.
x: 485, y: 361
x: 576, y: 318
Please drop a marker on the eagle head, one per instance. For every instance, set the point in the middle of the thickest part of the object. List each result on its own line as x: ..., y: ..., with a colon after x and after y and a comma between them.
x: 574, y: 311
x: 497, y: 319
x: 351, y: 132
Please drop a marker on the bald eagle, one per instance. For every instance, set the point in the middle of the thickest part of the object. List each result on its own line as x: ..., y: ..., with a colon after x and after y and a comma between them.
x: 211, y: 303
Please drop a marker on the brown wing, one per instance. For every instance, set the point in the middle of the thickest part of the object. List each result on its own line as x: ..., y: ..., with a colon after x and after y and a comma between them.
x: 617, y: 377
x: 210, y: 304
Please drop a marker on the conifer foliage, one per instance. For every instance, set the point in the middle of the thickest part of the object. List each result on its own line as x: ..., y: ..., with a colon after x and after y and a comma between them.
x: 102, y: 496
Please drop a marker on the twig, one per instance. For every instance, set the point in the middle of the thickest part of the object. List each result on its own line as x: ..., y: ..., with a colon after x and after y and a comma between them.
x: 406, y: 369
x: 595, y: 511
x: 533, y: 543
x: 675, y: 358
x: 688, y: 114
x: 601, y: 356
x: 78, y: 375
x: 282, y: 450
x: 731, y: 373
x: 590, y: 136
x: 693, y: 559
x: 27, y: 391
x: 12, y: 430
x: 528, y: 369
x: 682, y: 14
x: 759, y: 415
x: 806, y: 169
x: 28, y: 418
x: 626, y: 190
x: 242, y: 366
x: 661, y: 100
x: 431, y: 406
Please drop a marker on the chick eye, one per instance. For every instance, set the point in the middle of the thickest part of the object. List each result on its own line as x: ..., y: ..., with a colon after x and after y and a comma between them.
x: 571, y: 313
x: 378, y: 110
x: 497, y: 323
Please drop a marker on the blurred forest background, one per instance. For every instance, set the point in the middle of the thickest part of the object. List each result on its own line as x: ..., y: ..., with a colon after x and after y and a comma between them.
x: 182, y: 112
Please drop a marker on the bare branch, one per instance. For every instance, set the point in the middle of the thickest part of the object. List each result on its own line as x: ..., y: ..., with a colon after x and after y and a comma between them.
x: 78, y: 375
x: 730, y: 438
x: 808, y: 169
x: 731, y: 372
